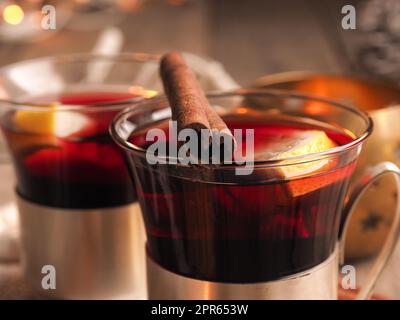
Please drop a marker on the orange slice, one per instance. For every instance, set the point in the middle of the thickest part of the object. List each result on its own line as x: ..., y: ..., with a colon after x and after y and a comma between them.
x: 304, y: 143
x: 50, y: 121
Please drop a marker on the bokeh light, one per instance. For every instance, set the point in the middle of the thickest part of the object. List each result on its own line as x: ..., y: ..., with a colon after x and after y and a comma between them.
x: 13, y: 14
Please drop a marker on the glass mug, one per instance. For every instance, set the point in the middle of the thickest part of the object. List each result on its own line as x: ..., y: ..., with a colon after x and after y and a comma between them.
x: 274, y: 234
x: 77, y: 206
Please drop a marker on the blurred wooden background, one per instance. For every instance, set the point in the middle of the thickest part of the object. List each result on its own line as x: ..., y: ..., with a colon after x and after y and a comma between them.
x: 251, y: 38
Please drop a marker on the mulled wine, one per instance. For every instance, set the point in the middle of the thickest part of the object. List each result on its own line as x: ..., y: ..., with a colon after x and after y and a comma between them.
x: 276, y: 222
x: 66, y: 158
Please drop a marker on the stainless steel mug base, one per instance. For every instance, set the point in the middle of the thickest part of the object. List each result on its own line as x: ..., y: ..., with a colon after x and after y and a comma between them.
x: 96, y: 253
x: 318, y: 283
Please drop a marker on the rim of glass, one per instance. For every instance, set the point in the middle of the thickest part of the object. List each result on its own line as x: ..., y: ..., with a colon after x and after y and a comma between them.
x: 253, y: 92
x: 124, y: 57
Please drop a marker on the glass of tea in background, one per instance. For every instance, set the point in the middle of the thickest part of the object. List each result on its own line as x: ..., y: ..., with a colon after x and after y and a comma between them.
x: 77, y: 205
x: 272, y: 234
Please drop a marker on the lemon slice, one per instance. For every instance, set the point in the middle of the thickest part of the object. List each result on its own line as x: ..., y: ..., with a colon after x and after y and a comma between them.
x: 50, y: 121
x: 36, y: 122
x: 303, y: 143
x: 142, y: 92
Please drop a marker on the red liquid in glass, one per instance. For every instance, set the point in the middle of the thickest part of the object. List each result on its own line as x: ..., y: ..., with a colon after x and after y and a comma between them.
x: 83, y: 170
x: 244, y: 232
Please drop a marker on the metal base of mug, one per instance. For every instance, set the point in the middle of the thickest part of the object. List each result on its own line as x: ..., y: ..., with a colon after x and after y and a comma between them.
x: 318, y: 283
x: 96, y: 253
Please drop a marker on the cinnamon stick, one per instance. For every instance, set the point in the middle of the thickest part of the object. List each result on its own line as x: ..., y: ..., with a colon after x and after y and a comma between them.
x: 188, y: 102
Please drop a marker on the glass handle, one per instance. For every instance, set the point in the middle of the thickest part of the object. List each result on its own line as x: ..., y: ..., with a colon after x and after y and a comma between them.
x: 368, y: 178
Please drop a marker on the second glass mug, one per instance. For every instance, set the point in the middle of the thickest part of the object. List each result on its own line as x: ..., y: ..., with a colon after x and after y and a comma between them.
x: 214, y: 235
x: 77, y: 206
